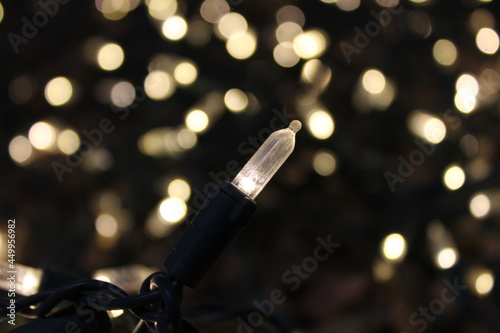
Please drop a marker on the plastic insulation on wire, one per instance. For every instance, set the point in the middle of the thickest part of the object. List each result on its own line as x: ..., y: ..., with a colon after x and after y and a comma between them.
x: 48, y: 300
x: 81, y: 316
x: 164, y: 316
x: 157, y: 306
x: 217, y: 223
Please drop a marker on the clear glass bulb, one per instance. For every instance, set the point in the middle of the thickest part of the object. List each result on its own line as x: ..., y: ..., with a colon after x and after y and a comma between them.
x: 267, y: 160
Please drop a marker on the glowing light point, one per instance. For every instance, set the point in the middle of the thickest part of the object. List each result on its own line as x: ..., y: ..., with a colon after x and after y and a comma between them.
x: 110, y: 57
x: 20, y: 149
x: 197, y: 121
x: 394, y: 247
x: 267, y: 160
x: 42, y: 135
x: 173, y: 209
x: 374, y: 81
x: 480, y: 205
x: 446, y: 258
x: 58, y: 91
x: 174, y: 28
x: 320, y: 124
x: 454, y: 177
x: 487, y: 41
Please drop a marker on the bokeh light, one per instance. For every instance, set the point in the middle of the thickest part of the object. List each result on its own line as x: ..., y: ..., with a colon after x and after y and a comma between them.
x: 374, y: 91
x: 324, y: 162
x: 20, y: 149
x: 316, y: 73
x: 465, y: 101
x: 197, y: 121
x: 110, y: 56
x: 441, y: 244
x: 290, y: 13
x: 116, y: 9
x: 426, y: 126
x: 213, y: 10
x: 232, y: 24
x: 445, y: 52
x: 186, y: 138
x: 348, y: 5
x: 174, y: 28
x: 467, y: 82
x: 480, y: 205
x: 487, y: 41
x: 394, y: 247
x: 42, y: 135
x: 68, y: 141
x: 373, y: 81
x: 481, y: 18
x: 484, y: 283
x: 242, y: 46
x: 21, y: 89
x: 106, y: 225
x: 480, y: 279
x: 151, y: 144
x: 287, y: 31
x: 320, y: 123
x: 122, y: 94
x: 446, y: 258
x: 159, y: 85
x: 162, y: 9
x: 310, y: 44
x: 179, y: 188
x: 172, y: 210
x: 419, y: 23
x: 58, y: 91
x: 388, y: 3
x: 236, y: 100
x: 284, y: 55
x: 454, y: 177
x: 185, y: 73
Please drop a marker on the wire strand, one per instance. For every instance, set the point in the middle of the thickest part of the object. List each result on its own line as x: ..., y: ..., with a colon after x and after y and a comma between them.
x: 157, y: 305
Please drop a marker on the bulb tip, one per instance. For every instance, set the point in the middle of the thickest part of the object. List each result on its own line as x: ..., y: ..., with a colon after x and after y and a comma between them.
x: 295, y: 126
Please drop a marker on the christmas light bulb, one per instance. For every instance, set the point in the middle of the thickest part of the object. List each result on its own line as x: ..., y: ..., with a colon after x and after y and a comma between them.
x: 267, y: 160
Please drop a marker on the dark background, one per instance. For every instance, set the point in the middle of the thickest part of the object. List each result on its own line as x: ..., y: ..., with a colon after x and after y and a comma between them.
x: 55, y: 220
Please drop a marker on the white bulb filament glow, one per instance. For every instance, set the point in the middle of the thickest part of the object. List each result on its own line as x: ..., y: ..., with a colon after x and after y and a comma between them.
x: 267, y: 160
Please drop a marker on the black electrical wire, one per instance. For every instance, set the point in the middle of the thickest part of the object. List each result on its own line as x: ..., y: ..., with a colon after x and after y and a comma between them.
x: 171, y: 300
x: 66, y: 292
x: 157, y: 305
